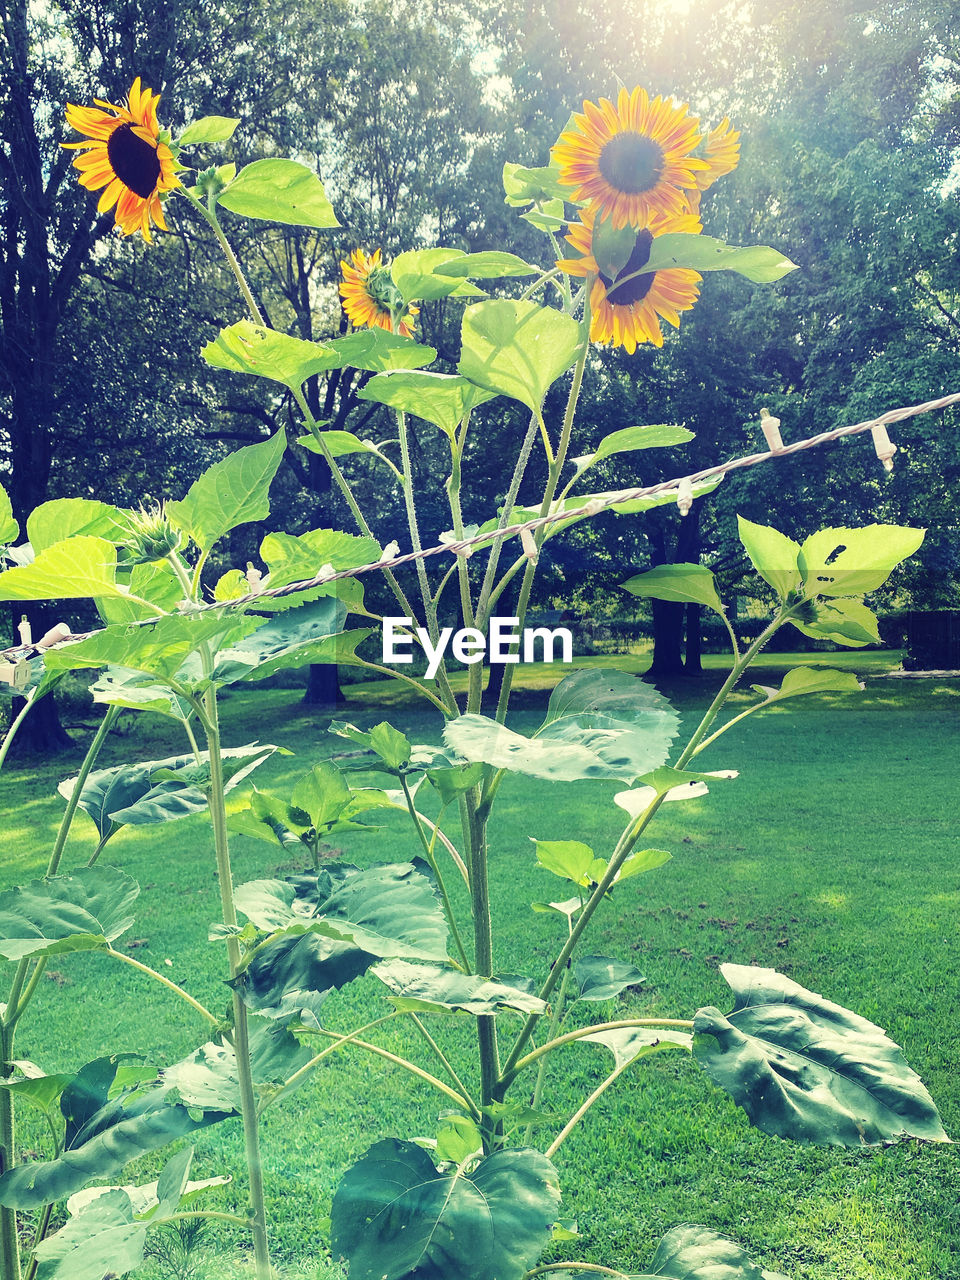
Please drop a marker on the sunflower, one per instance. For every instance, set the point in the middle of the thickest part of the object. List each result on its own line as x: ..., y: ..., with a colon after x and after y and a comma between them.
x: 628, y: 313
x: 632, y: 160
x: 722, y: 154
x: 125, y: 154
x: 370, y: 296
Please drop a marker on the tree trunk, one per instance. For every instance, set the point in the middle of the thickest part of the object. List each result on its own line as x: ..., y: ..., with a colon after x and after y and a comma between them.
x: 691, y: 663
x: 668, y: 616
x: 323, y: 687
x: 491, y: 695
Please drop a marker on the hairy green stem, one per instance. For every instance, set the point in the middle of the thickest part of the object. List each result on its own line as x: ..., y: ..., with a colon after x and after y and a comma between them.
x: 551, y: 1034
x: 208, y: 213
x: 166, y: 982
x: 584, y: 1107
x: 248, y: 1102
x: 445, y: 1063
x: 621, y: 1024
x: 8, y: 737
x: 9, y: 1241
x: 429, y: 854
x: 411, y: 1067
x: 593, y: 1267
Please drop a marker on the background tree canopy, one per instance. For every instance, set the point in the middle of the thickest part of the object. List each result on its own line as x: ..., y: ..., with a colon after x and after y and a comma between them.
x: 851, y: 127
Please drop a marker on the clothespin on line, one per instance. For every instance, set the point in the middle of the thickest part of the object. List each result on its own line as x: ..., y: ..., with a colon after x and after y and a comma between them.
x: 684, y: 496
x: 884, y: 446
x: 16, y: 674
x: 770, y: 426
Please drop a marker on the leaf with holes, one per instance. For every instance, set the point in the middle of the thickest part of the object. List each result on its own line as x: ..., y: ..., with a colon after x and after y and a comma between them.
x: 291, y: 639
x: 851, y: 562
x: 395, y: 1217
x: 804, y: 1068
x: 79, y: 912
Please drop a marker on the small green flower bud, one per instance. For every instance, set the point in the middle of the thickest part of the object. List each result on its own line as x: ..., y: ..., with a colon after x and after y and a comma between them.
x: 152, y: 536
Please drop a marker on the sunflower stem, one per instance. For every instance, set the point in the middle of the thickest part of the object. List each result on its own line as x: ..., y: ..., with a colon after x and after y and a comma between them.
x: 208, y: 213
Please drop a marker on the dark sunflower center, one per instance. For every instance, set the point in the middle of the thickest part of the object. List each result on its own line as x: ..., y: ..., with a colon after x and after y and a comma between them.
x: 631, y: 163
x: 134, y: 161
x: 637, y: 288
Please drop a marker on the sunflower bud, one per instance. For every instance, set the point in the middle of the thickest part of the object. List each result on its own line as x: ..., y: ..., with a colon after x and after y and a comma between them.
x: 210, y: 182
x: 152, y: 535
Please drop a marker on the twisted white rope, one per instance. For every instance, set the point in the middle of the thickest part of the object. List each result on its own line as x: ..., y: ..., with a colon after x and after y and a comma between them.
x: 599, y: 502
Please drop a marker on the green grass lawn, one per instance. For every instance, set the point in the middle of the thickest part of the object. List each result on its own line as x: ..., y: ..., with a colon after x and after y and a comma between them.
x: 833, y: 858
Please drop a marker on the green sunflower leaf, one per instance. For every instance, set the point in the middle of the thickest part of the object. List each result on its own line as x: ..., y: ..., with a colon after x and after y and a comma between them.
x: 426, y: 988
x: 804, y: 1068
x: 611, y: 247
x: 376, y: 351
x: 627, y: 1044
x: 772, y: 554
x: 486, y: 266
x: 599, y: 724
x: 340, y: 443
x: 102, y: 1240
x: 279, y: 191
x: 548, y: 217
x: 803, y: 680
x: 517, y: 349
x: 209, y: 1079
x: 63, y: 518
x: 682, y: 582
x: 208, y: 129
x: 80, y: 912
x: 527, y: 186
x: 107, y: 1133
x: 415, y: 275
x: 80, y: 568
x: 9, y: 528
x: 846, y: 622
x: 698, y: 1253
x: 851, y: 562
x: 394, y: 1214
x: 631, y: 439
x: 232, y: 492
x: 599, y: 978
x: 159, y: 649
x: 249, y: 348
x: 704, y: 253
x: 441, y: 398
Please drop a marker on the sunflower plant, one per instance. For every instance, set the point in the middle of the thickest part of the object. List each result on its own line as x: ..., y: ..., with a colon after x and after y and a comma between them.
x: 478, y: 1198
